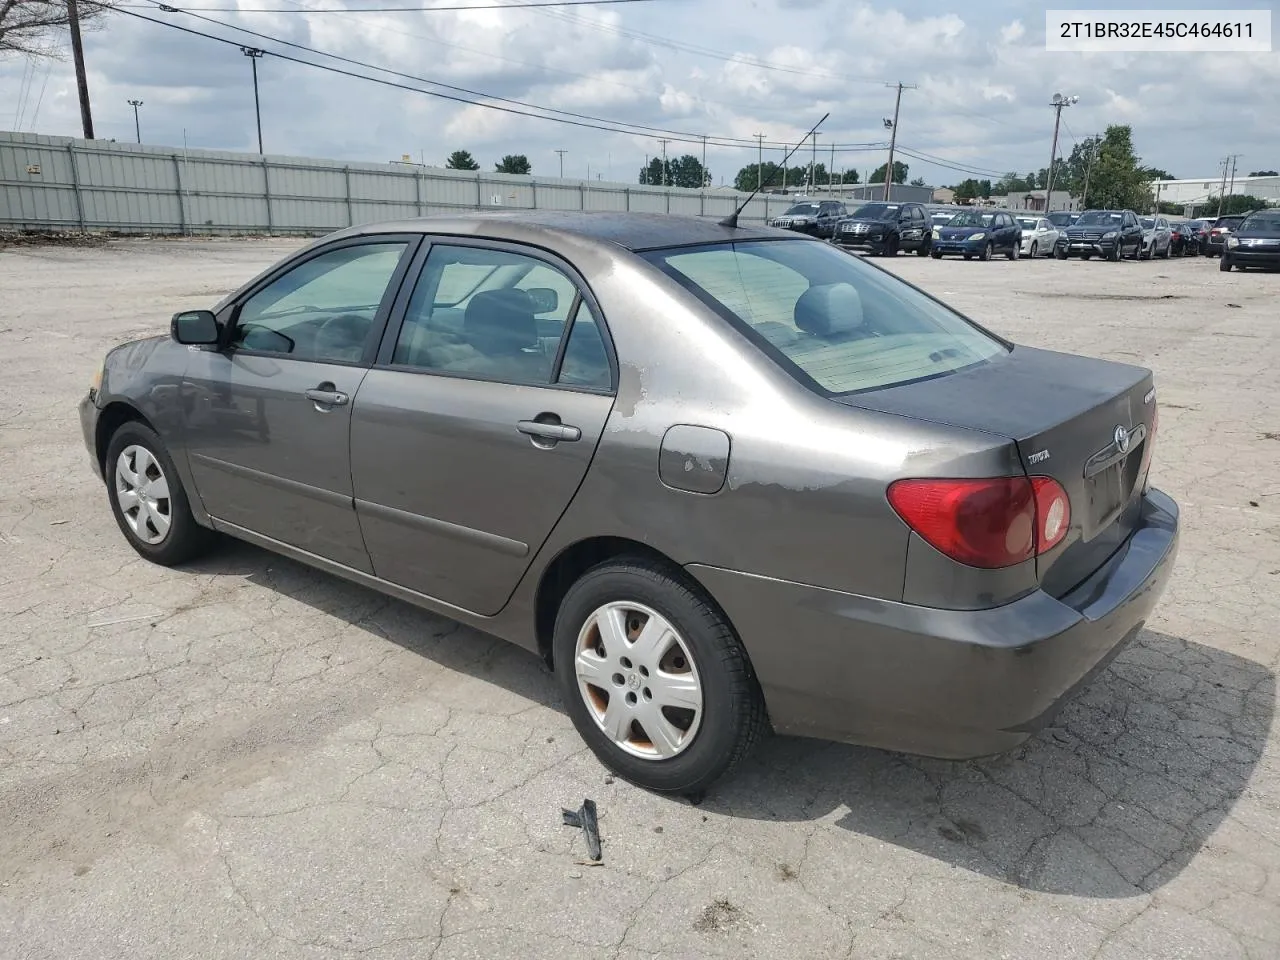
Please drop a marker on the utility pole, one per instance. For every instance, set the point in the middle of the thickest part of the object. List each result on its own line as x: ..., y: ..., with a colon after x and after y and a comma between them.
x: 1088, y: 171
x: 759, y: 161
x: 1231, y: 191
x: 82, y: 82
x: 831, y: 174
x: 137, y: 129
x: 784, y: 168
x: 1222, y: 189
x: 563, y: 152
x: 702, y: 178
x: 1058, y: 102
x: 664, y: 160
x: 813, y: 164
x: 254, y: 55
x: 893, y: 134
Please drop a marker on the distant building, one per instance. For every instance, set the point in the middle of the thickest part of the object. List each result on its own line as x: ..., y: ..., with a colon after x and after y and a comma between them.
x: 944, y: 195
x: 866, y: 192
x: 1034, y: 200
x: 1204, y: 192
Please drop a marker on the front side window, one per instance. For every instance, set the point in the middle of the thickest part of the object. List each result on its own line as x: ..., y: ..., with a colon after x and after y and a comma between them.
x: 324, y: 308
x: 491, y: 314
x: 828, y: 318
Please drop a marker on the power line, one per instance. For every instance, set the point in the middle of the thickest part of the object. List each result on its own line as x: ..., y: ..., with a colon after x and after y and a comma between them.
x: 441, y: 9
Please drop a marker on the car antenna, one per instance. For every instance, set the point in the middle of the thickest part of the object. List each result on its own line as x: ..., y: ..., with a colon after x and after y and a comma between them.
x: 732, y: 219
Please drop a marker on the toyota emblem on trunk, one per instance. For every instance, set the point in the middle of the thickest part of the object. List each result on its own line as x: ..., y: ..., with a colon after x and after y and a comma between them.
x: 1122, y: 439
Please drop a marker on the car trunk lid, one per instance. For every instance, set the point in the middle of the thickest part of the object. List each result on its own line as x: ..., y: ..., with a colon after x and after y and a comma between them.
x: 1064, y: 413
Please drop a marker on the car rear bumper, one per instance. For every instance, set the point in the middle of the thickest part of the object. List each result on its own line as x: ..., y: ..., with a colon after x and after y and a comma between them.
x: 89, y: 428
x: 943, y: 683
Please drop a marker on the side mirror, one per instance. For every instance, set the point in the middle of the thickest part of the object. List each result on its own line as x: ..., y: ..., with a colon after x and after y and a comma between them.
x: 194, y: 327
x: 545, y: 299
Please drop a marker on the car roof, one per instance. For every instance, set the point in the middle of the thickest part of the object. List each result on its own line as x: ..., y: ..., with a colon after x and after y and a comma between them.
x: 632, y: 231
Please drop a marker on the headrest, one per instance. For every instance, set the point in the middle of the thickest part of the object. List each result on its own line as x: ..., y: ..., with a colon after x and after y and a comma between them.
x: 500, y: 321
x: 829, y: 308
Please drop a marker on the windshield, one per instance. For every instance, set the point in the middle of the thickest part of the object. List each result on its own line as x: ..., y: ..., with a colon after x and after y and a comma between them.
x: 1269, y: 221
x: 877, y: 211
x: 971, y: 218
x: 1099, y: 217
x: 1194, y: 225
x: 802, y: 210
x: 1027, y: 223
x: 826, y: 317
x: 943, y: 217
x: 1061, y: 219
x: 1229, y: 223
x: 1148, y: 223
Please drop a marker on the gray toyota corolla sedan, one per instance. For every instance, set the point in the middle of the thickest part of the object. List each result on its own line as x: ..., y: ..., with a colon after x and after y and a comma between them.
x: 724, y: 479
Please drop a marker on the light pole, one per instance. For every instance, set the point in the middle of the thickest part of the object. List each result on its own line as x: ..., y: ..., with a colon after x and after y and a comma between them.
x: 254, y: 55
x: 664, y: 160
x: 137, y: 129
x: 1058, y: 102
x: 562, y: 153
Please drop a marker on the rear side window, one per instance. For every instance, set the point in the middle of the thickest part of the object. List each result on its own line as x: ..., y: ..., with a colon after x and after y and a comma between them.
x: 828, y: 318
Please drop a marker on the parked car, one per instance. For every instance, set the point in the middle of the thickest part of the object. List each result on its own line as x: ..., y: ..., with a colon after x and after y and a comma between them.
x: 1039, y: 236
x: 885, y: 228
x: 1180, y: 234
x: 1255, y: 243
x: 940, y: 214
x: 1196, y: 235
x: 818, y: 218
x: 1157, y: 238
x: 499, y: 417
x: 1103, y: 233
x: 1062, y: 218
x: 979, y: 233
x: 1216, y: 239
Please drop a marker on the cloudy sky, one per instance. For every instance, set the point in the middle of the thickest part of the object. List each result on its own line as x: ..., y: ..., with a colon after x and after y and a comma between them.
x: 725, y: 68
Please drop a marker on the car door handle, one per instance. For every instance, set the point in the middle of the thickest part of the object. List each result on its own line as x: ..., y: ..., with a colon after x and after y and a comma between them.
x: 549, y: 431
x: 325, y: 394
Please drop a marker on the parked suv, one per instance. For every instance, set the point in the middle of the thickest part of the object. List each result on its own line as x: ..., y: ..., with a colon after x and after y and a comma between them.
x: 1216, y: 240
x: 886, y: 228
x: 1106, y: 233
x: 815, y: 217
x: 1157, y: 238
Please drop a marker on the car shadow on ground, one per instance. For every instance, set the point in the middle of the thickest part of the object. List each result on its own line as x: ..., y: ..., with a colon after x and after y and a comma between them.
x: 1112, y: 800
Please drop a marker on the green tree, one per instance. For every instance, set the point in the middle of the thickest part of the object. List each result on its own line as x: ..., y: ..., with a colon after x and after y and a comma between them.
x: 1238, y: 203
x: 968, y: 190
x: 918, y: 182
x: 1155, y: 173
x: 1264, y: 173
x: 899, y: 173
x: 850, y: 176
x: 984, y: 189
x: 512, y: 163
x: 1114, y: 174
x: 461, y: 160
x: 687, y: 171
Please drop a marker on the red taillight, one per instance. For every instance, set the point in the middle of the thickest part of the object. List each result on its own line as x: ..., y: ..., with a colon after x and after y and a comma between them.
x: 990, y: 523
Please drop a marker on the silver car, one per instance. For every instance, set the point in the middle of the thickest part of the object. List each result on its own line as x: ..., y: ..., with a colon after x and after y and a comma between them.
x: 1157, y: 238
x: 1039, y: 236
x: 724, y: 479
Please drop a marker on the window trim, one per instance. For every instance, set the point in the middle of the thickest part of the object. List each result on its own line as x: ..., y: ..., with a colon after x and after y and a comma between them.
x: 229, y: 317
x: 762, y: 343
x: 382, y: 359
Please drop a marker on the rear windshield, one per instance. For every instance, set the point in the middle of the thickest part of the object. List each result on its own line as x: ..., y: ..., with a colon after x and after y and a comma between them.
x: 827, y: 317
x: 1262, y: 221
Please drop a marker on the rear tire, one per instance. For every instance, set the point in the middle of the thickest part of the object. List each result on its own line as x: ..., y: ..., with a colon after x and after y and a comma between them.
x: 696, y: 656
x: 148, y: 500
x: 1015, y: 251
x: 925, y: 248
x: 1168, y: 252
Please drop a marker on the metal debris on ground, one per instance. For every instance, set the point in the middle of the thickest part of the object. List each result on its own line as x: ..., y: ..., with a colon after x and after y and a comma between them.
x: 585, y: 819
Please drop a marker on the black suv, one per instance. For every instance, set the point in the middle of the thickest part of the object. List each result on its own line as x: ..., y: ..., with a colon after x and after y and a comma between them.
x: 1107, y: 233
x: 815, y: 217
x: 886, y: 228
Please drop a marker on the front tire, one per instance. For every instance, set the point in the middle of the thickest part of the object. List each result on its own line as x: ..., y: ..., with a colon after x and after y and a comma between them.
x: 1034, y: 249
x: 654, y: 678
x: 1224, y: 265
x: 987, y: 250
x: 148, y: 500
x: 936, y: 254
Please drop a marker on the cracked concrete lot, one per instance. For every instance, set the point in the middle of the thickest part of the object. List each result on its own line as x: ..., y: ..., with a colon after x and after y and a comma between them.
x: 245, y: 758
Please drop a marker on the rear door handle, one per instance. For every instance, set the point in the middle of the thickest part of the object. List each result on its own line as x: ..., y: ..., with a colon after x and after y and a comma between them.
x: 549, y: 431
x: 329, y: 397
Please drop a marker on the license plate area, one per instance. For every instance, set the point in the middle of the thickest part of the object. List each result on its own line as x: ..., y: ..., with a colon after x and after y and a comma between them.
x: 1108, y: 491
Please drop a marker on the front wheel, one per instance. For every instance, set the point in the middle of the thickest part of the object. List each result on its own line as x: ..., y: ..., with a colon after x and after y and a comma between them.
x: 1116, y: 252
x: 925, y: 248
x: 1034, y: 249
x: 1061, y: 253
x: 653, y: 677
x: 147, y: 498
x: 937, y: 254
x: 988, y: 250
x: 1225, y: 265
